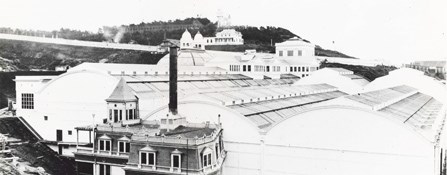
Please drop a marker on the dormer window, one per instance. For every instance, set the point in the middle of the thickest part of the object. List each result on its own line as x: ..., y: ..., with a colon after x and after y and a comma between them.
x: 206, y: 157
x: 176, y: 160
x: 105, y: 143
x: 147, y: 156
x: 124, y: 145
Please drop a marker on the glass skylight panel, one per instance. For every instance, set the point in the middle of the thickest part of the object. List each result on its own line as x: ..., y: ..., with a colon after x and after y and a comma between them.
x: 258, y: 120
x: 254, y: 94
x: 200, y: 84
x: 140, y: 87
x: 239, y: 95
x: 263, y: 82
x: 221, y: 97
x: 241, y: 83
x: 403, y: 89
x: 288, y: 81
x: 273, y: 116
x: 228, y: 83
x: 185, y: 86
x: 161, y: 86
x: 258, y: 108
x: 216, y: 84
x: 287, y: 112
x: 252, y: 83
x: 243, y: 110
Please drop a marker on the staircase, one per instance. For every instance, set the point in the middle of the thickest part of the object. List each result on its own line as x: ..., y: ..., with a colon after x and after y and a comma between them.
x: 31, y: 129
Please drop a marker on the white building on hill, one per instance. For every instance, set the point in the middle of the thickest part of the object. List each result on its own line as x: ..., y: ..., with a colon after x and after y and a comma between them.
x: 225, y: 37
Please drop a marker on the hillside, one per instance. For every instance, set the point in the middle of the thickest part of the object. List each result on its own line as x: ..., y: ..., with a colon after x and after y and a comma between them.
x: 32, y: 151
x: 370, y: 73
x: 29, y: 55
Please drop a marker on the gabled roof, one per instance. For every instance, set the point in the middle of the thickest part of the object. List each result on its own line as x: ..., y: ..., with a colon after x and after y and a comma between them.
x: 122, y: 92
x: 148, y: 148
x: 104, y: 137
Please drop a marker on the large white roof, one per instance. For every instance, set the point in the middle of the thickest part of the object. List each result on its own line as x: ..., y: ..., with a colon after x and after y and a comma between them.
x: 413, y: 78
x: 343, y: 79
x: 404, y: 104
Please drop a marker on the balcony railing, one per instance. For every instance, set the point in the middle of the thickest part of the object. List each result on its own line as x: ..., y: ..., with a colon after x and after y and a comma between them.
x: 89, y: 150
x: 183, y: 170
x: 179, y: 140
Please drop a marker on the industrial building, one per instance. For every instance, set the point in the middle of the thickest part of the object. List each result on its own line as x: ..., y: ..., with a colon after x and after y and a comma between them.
x: 278, y: 113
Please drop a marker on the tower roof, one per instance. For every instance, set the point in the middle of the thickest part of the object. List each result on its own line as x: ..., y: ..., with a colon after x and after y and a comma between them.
x: 122, y: 92
x: 186, y: 36
x: 198, y: 36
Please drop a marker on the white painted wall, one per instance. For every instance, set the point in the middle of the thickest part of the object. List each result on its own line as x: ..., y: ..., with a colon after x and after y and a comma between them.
x: 69, y: 102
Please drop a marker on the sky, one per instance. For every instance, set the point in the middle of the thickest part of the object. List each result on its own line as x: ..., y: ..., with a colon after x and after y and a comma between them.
x: 391, y: 30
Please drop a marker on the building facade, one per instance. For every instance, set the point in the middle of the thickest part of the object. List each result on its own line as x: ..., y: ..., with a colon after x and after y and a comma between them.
x: 226, y: 37
x: 152, y: 149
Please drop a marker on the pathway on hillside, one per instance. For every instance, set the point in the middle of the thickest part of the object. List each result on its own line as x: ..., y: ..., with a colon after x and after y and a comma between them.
x: 80, y: 43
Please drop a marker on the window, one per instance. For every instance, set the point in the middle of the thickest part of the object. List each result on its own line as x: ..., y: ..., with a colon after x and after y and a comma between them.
x: 45, y: 118
x: 294, y: 69
x: 217, y: 150
x: 143, y: 158
x: 130, y: 112
x: 207, y: 160
x: 104, y: 169
x: 175, y: 161
x: 268, y: 68
x: 115, y: 115
x: 27, y: 101
x: 151, y: 158
x: 300, y: 52
x: 299, y: 69
x: 249, y: 68
x: 70, y: 132
x: 104, y: 145
x: 110, y: 114
x: 290, y: 53
x: 123, y: 147
x: 244, y: 68
x: 280, y: 53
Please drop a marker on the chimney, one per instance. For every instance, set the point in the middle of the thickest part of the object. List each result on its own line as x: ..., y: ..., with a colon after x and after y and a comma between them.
x: 173, y: 80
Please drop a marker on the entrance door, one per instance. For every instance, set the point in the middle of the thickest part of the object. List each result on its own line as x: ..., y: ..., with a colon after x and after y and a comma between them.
x: 58, y: 135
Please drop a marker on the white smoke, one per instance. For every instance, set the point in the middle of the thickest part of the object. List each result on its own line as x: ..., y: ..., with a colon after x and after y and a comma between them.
x: 113, y: 34
x: 119, y: 35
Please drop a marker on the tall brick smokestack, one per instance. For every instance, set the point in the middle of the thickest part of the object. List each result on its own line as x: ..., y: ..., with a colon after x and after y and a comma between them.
x: 173, y: 80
